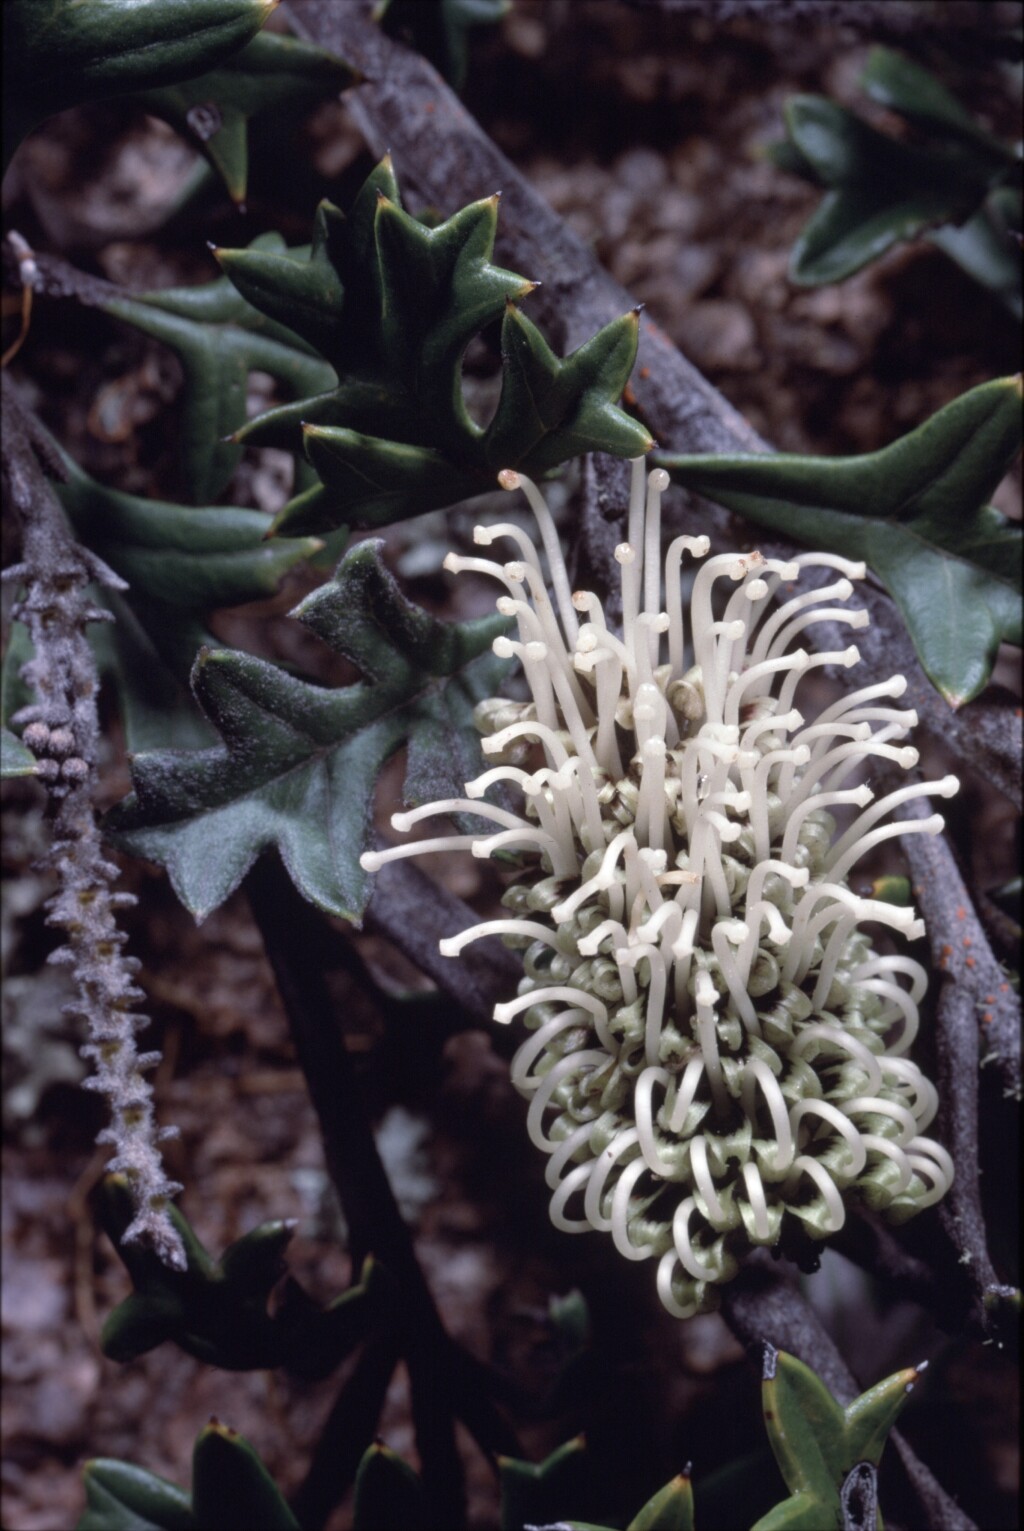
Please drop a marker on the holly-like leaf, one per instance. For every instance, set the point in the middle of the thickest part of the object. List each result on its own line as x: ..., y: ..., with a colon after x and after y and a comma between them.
x: 219, y: 339
x: 550, y: 410
x: 959, y: 188
x: 392, y: 305
x: 535, y: 1492
x: 437, y: 28
x: 299, y: 762
x: 270, y: 73
x: 178, y: 561
x: 824, y: 1452
x: 62, y: 52
x: 880, y: 191
x: 916, y: 513
x: 218, y: 1311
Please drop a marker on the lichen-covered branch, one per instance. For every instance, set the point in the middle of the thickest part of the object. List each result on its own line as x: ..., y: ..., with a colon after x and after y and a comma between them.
x: 61, y: 730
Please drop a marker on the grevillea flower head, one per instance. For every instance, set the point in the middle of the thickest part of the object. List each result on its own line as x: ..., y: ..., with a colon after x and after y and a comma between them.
x: 717, y: 1053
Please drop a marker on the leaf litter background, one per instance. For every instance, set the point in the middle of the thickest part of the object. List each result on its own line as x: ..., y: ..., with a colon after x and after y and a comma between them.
x: 643, y: 131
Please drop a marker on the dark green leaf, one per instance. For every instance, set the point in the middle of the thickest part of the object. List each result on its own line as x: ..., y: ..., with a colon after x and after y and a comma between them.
x: 557, y: 409
x: 231, y: 1489
x: 389, y: 1494
x: 805, y: 1426
x: 122, y: 1497
x: 218, y: 1312
x: 270, y: 73
x: 916, y: 513
x: 219, y: 339
x: 550, y: 410
x: 670, y: 1509
x: 801, y: 1512
x: 306, y: 292
x: 905, y: 87
x: 437, y: 28
x: 988, y: 249
x: 180, y: 563
x: 882, y: 191
x: 62, y: 52
x: 374, y: 482
x: 393, y: 304
x: 532, y: 1493
x: 785, y: 155
x: 870, y: 1417
x: 189, y: 560
x: 299, y: 763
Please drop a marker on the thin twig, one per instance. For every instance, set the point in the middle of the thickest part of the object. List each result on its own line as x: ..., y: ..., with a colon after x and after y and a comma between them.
x: 290, y: 933
x: 347, y: 1431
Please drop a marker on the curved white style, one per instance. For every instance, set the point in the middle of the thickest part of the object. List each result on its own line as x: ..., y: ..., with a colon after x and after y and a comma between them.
x: 717, y: 1053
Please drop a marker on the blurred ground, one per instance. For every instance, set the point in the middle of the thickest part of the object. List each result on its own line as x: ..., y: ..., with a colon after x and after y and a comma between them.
x: 645, y: 132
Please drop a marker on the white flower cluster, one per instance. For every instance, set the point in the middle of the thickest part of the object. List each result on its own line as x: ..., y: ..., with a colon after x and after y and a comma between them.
x: 715, y: 1045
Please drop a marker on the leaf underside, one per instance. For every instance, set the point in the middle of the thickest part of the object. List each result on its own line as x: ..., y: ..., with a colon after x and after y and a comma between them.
x: 299, y: 762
